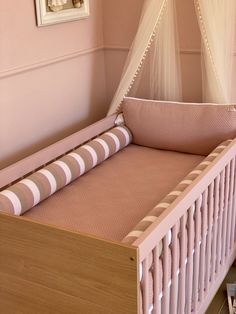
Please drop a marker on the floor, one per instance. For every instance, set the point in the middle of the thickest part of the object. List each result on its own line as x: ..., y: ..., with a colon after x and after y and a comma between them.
x: 219, y: 304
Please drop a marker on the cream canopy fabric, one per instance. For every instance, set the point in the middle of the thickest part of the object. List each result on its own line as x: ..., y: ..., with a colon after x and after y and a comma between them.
x: 151, y: 16
x: 160, y: 74
x: 156, y: 43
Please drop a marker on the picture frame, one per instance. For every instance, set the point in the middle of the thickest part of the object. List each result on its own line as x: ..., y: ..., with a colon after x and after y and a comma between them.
x: 67, y: 13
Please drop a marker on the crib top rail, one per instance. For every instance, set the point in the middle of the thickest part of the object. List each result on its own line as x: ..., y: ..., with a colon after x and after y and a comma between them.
x: 35, y: 161
x: 148, y: 240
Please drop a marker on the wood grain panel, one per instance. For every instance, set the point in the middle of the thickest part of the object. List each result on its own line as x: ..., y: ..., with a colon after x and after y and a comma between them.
x: 57, y: 271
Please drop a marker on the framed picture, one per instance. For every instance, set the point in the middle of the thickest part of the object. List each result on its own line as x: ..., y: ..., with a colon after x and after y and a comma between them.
x: 59, y: 11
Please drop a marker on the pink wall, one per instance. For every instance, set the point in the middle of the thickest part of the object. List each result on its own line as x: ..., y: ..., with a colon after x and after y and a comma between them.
x: 52, y: 79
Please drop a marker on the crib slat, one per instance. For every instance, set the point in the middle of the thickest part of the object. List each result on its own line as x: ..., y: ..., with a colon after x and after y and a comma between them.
x: 231, y: 165
x: 234, y: 207
x: 215, y: 227
x: 225, y: 217
x: 145, y: 286
x: 175, y: 264
x: 209, y: 235
x: 182, y: 273
x: 166, y: 276
x: 235, y: 202
x: 232, y: 168
x: 196, y: 253
x: 221, y: 210
x: 156, y: 278
x: 190, y: 259
x: 203, y: 245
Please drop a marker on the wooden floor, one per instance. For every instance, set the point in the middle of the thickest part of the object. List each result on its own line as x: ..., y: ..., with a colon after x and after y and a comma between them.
x: 219, y: 304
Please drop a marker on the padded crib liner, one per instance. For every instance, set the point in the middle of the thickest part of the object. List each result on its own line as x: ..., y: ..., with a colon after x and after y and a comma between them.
x: 111, y: 199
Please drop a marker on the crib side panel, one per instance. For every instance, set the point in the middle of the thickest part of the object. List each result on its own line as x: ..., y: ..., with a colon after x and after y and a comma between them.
x: 188, y: 250
x: 45, y: 269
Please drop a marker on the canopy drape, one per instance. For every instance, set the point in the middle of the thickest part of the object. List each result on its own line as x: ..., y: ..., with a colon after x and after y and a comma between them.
x: 160, y: 74
x: 216, y: 20
x: 151, y: 17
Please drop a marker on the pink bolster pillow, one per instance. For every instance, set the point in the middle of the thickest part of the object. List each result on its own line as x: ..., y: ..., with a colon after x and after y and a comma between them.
x: 183, y: 127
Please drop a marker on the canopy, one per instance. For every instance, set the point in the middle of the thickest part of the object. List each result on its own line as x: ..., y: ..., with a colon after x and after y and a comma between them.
x: 154, y: 58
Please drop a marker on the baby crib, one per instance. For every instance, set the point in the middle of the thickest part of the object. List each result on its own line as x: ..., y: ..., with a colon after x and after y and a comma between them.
x: 170, y: 263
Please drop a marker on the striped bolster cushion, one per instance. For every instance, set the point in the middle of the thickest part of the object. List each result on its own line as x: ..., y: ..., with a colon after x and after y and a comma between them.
x: 28, y: 192
x: 171, y: 197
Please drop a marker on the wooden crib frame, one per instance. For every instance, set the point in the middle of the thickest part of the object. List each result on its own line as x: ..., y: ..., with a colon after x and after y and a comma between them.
x: 45, y: 267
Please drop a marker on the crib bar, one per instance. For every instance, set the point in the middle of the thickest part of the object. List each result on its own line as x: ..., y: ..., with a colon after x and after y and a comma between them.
x: 232, y: 169
x: 166, y: 276
x: 215, y: 227
x: 182, y: 263
x: 221, y: 209
x: 229, y: 210
x: 156, y: 278
x: 209, y: 235
x: 203, y: 245
x: 174, y: 285
x: 234, y: 230
x: 225, y: 219
x: 234, y: 208
x: 190, y: 259
x: 196, y: 253
x: 145, y: 286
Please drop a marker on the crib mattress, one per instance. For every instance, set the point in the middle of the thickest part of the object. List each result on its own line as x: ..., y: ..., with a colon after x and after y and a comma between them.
x: 112, y: 198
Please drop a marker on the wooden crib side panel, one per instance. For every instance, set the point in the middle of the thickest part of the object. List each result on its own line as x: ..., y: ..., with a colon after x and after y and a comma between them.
x: 47, y: 270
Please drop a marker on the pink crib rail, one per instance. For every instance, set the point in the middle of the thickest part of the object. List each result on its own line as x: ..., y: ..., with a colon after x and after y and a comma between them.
x: 192, y: 245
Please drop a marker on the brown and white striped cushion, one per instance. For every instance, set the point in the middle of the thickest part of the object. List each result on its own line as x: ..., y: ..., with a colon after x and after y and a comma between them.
x: 171, y: 197
x: 28, y: 192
